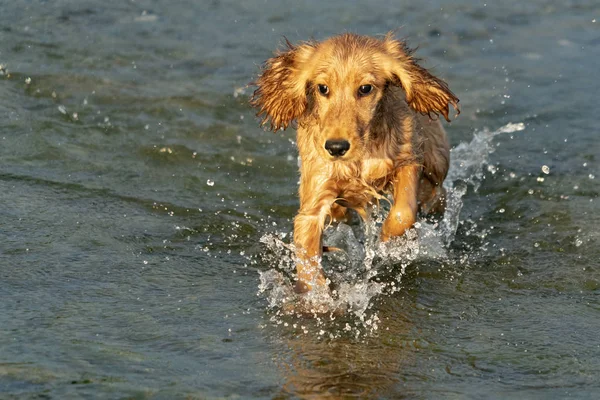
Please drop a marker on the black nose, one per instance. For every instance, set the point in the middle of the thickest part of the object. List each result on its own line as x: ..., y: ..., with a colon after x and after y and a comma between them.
x: 338, y: 147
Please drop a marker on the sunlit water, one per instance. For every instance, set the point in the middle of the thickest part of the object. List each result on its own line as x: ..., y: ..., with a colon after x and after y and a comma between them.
x: 145, y: 218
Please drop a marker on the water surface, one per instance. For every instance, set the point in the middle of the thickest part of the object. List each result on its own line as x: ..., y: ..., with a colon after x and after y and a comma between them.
x: 143, y: 209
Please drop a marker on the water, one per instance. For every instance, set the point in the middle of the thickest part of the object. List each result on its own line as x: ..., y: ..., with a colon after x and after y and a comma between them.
x: 146, y: 219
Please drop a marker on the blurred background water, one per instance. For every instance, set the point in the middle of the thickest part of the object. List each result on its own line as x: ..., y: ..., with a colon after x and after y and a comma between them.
x: 140, y: 204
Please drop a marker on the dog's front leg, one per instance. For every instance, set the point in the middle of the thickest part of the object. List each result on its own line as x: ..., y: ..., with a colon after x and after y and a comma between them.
x: 308, y: 237
x: 403, y: 213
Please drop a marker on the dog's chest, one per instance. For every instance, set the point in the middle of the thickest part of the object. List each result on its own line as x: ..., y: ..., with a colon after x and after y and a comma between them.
x: 373, y: 177
x: 377, y: 172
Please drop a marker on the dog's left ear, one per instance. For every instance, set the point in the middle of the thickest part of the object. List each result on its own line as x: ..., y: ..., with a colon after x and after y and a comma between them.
x: 281, y: 94
x: 425, y: 93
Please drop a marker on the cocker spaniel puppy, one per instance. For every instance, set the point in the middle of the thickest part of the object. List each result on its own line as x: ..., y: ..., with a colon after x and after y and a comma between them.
x: 365, y: 119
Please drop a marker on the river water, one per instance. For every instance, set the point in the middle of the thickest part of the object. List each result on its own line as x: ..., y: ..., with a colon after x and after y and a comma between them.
x: 145, y: 218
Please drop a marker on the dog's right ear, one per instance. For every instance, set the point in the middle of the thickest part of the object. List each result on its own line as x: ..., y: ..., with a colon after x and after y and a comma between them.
x: 281, y: 93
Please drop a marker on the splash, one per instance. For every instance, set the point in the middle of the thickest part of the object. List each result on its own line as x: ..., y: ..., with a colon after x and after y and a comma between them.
x: 366, y: 269
x: 466, y: 168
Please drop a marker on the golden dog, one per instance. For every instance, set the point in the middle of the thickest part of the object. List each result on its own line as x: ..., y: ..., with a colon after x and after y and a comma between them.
x: 363, y: 108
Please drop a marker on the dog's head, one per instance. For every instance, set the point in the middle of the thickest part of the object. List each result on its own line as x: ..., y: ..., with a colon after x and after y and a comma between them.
x: 336, y: 87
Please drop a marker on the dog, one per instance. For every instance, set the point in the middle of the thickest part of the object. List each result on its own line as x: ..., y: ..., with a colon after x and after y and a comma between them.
x: 366, y: 116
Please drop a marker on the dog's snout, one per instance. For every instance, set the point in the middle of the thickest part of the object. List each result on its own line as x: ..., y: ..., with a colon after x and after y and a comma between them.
x: 337, y: 147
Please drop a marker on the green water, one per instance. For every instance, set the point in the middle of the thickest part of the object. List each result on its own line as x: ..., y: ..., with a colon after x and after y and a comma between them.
x: 136, y: 186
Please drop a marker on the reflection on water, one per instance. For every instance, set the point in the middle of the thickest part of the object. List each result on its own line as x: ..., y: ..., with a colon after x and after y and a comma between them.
x: 367, y: 367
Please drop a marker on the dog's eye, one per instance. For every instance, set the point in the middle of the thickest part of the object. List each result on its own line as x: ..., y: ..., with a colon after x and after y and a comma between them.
x: 323, y: 89
x: 365, y: 89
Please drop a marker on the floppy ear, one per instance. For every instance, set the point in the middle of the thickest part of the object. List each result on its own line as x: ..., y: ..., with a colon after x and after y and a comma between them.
x: 425, y: 93
x: 281, y: 95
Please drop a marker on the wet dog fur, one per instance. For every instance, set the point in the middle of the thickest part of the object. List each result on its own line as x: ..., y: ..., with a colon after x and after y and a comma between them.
x: 366, y: 126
